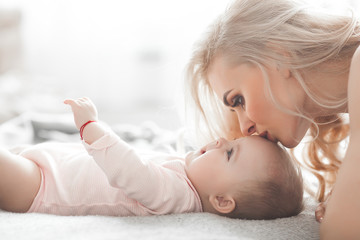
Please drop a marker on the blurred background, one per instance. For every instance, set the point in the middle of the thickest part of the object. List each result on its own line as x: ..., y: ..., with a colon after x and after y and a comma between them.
x: 128, y: 56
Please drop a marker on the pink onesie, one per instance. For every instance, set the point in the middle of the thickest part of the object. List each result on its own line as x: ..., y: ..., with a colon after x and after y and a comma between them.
x: 109, y: 179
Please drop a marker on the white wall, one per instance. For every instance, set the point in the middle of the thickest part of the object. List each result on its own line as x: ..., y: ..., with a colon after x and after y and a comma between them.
x: 127, y: 55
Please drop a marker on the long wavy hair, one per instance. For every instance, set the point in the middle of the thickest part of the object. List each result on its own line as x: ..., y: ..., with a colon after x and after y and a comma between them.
x: 292, y: 35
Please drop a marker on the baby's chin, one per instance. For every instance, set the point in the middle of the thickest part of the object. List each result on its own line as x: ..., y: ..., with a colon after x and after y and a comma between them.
x: 189, y: 157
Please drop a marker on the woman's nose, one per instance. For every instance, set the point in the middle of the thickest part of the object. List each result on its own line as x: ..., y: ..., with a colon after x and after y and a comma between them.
x: 247, y: 126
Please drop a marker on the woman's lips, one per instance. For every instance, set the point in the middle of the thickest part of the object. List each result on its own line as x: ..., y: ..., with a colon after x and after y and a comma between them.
x: 267, y: 135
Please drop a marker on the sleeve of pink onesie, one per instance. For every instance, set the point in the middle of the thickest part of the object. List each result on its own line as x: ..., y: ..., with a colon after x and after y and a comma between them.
x: 159, y: 189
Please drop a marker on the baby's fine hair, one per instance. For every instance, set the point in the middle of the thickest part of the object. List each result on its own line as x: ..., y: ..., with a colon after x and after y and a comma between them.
x: 290, y: 34
x: 279, y: 195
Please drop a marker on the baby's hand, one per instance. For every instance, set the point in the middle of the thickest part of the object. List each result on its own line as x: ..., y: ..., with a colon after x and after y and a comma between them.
x: 83, y: 109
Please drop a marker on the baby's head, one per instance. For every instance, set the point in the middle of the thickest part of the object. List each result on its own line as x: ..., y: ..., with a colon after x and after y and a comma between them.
x: 249, y: 178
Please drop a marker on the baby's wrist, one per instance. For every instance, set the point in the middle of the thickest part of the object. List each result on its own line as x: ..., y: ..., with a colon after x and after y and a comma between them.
x: 92, y: 132
x: 83, y: 127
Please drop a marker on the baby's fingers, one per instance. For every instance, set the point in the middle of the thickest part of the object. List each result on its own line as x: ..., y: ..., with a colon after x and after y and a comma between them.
x: 69, y: 101
x: 78, y: 101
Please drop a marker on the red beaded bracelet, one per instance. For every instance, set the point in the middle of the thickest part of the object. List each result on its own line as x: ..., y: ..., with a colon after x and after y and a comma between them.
x: 82, y: 128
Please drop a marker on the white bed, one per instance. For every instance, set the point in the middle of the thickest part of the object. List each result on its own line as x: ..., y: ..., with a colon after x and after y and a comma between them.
x: 30, y: 129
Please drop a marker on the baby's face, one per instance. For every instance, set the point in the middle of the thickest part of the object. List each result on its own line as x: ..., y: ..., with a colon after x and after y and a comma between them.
x: 220, y: 165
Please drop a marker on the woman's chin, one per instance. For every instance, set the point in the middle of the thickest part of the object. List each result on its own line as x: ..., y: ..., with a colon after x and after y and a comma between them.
x: 290, y: 143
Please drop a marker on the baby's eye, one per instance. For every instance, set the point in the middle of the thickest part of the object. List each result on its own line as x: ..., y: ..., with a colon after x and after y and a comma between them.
x: 229, y: 153
x: 238, y: 100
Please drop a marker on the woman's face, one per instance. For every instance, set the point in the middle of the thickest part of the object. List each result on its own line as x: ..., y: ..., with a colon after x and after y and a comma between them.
x: 242, y: 89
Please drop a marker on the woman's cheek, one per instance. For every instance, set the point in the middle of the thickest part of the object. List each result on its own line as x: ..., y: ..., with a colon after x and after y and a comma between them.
x: 257, y: 113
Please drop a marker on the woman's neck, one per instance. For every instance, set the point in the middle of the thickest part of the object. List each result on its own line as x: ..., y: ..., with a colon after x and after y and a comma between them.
x: 327, y: 86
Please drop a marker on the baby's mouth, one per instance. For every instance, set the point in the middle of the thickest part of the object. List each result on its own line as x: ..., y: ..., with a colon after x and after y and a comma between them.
x: 190, y: 156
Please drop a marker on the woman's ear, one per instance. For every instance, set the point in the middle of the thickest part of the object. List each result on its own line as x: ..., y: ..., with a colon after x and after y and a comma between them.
x: 223, y: 204
x: 285, y: 72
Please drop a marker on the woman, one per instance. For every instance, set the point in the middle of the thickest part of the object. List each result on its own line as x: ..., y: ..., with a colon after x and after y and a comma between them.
x: 281, y: 69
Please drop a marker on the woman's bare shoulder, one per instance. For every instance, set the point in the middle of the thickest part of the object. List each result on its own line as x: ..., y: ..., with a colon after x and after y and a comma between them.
x: 354, y: 92
x: 344, y: 204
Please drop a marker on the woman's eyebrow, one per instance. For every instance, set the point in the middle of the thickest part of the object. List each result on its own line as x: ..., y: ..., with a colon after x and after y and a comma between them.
x: 225, y: 98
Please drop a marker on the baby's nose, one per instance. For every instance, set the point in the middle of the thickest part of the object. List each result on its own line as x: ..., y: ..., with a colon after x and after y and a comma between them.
x: 218, y: 143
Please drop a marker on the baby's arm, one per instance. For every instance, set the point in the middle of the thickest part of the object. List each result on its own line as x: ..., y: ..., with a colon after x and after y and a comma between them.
x: 84, y: 110
x: 159, y: 189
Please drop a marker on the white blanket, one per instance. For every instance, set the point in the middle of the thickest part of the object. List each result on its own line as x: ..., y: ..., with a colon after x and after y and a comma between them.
x: 190, y: 226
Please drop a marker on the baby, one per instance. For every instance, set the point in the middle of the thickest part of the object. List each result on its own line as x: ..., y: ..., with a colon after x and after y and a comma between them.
x: 250, y: 178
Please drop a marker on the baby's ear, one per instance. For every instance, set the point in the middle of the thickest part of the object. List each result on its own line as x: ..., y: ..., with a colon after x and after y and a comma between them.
x: 223, y: 204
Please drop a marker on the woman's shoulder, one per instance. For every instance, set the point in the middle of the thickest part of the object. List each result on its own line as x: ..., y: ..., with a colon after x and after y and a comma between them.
x: 354, y: 94
x: 355, y: 65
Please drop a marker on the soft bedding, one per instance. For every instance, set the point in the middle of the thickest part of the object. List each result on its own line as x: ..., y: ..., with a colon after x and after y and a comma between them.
x: 34, y: 128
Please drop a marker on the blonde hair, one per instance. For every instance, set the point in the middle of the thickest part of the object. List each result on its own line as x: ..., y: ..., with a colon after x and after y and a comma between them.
x: 289, y: 34
x: 279, y: 195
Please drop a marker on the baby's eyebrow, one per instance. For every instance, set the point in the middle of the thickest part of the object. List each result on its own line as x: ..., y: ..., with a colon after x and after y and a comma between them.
x: 225, y: 98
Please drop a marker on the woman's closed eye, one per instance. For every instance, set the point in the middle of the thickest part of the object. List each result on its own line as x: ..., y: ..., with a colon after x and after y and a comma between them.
x: 229, y: 153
